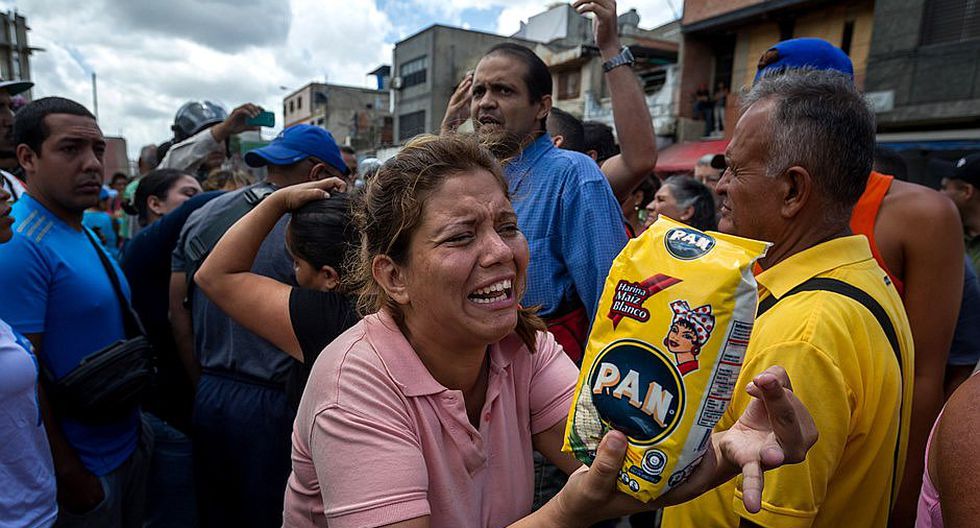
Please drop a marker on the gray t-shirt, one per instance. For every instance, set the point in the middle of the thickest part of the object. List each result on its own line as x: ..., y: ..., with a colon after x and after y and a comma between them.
x: 221, y: 343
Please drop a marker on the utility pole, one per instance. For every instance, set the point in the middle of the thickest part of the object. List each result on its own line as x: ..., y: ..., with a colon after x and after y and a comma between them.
x: 95, y: 98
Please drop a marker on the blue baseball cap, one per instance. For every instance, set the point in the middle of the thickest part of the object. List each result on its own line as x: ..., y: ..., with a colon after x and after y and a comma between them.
x: 297, y: 143
x: 814, y: 53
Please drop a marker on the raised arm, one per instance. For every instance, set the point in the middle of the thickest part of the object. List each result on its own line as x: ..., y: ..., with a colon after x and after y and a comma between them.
x: 458, y: 110
x: 188, y: 154
x: 258, y: 303
x: 634, y: 128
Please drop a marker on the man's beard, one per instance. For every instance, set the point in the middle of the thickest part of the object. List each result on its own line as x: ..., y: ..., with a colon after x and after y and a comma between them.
x: 503, y: 143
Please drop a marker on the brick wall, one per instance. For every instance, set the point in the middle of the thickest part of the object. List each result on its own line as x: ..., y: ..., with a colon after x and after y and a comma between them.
x: 698, y: 10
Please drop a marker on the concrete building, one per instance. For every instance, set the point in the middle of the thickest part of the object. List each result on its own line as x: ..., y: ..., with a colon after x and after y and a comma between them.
x: 923, y: 77
x: 358, y: 117
x: 115, y: 159
x: 723, y: 40
x: 15, y: 52
x: 427, y: 67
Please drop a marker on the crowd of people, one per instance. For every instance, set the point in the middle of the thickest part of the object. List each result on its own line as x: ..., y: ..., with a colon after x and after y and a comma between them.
x: 396, y: 344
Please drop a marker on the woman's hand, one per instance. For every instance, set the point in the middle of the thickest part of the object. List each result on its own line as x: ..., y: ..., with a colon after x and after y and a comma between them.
x: 775, y: 429
x: 296, y: 196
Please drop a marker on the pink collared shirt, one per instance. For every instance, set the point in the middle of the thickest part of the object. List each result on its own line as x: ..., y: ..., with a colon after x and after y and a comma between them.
x: 377, y: 440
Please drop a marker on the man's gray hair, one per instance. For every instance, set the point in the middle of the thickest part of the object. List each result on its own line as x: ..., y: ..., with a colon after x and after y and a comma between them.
x: 821, y: 123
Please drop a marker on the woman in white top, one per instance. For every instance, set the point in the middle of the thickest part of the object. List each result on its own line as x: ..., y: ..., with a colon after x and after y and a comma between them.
x: 26, y: 469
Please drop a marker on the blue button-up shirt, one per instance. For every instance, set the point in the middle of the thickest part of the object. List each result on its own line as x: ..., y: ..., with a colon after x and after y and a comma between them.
x: 572, y: 222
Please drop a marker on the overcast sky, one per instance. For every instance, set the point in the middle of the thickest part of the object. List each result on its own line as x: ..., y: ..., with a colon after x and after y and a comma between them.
x: 151, y: 56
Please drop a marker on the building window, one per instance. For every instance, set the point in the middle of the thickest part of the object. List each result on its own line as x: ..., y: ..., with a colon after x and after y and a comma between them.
x: 411, y: 125
x: 290, y: 106
x: 950, y: 21
x: 299, y: 103
x: 847, y: 37
x: 568, y: 84
x: 413, y: 72
x: 653, y: 80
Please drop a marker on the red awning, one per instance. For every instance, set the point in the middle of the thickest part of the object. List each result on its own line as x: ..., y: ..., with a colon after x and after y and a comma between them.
x: 684, y: 156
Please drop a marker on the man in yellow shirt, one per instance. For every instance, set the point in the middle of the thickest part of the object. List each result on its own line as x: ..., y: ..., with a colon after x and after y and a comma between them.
x: 798, y: 161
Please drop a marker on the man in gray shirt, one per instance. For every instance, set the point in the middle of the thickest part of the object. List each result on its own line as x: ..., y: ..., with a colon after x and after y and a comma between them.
x: 242, y: 421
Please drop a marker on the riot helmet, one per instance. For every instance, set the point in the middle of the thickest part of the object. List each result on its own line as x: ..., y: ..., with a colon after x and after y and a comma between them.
x: 195, y: 116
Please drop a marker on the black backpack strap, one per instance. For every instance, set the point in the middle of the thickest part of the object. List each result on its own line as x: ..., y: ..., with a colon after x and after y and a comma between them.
x: 198, y: 247
x: 131, y: 321
x: 879, y: 313
x: 847, y: 290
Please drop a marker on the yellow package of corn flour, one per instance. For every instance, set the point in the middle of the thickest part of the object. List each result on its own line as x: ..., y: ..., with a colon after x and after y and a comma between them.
x: 665, y: 351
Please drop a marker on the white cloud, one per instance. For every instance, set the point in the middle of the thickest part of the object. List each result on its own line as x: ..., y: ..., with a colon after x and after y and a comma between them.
x: 145, y: 73
x: 653, y: 13
x: 151, y: 57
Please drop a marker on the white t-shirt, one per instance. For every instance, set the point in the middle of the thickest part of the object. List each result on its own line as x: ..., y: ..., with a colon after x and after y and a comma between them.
x: 26, y: 470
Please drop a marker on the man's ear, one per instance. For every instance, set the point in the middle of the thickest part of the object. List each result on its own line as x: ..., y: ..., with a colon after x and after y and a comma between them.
x: 969, y: 190
x: 328, y: 279
x: 391, y: 278
x: 544, y: 107
x: 796, y: 185
x: 26, y: 157
x: 592, y: 153
x: 318, y: 172
x: 558, y: 141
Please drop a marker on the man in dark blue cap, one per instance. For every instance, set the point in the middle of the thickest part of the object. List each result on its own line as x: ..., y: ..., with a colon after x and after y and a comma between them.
x: 963, y: 187
x: 242, y: 422
x: 812, y: 53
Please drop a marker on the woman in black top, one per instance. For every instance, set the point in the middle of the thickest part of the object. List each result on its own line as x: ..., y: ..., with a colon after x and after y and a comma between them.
x: 299, y: 321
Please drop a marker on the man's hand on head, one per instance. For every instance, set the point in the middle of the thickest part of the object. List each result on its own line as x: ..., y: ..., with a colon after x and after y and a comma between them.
x: 458, y: 110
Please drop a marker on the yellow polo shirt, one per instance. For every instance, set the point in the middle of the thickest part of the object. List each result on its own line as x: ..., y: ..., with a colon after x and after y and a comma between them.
x: 844, y: 370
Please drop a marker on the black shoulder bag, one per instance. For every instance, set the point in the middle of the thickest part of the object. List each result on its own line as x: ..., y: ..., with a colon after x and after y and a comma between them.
x: 108, y: 383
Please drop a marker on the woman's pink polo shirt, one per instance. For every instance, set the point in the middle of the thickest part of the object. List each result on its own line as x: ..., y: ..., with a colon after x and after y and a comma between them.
x: 378, y: 440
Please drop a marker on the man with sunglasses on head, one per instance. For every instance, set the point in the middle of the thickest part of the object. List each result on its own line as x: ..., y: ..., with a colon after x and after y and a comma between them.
x: 240, y: 376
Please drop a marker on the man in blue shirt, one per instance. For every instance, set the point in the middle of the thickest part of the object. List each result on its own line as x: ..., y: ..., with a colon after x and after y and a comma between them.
x: 573, y: 224
x: 58, y: 293
x: 564, y: 205
x: 242, y: 420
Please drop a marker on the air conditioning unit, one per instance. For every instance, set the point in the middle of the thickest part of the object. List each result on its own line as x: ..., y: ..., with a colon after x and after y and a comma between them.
x: 396, y: 82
